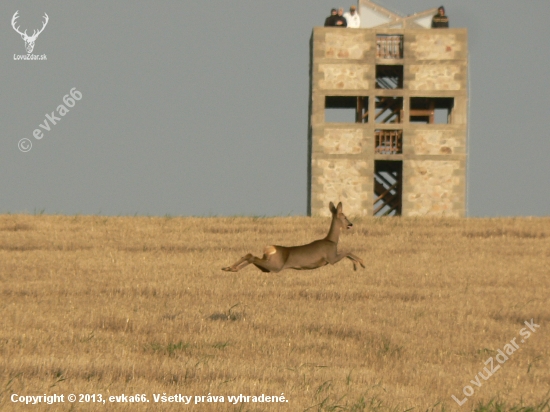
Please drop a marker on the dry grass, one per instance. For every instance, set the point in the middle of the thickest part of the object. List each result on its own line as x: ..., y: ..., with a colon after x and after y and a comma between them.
x: 140, y: 305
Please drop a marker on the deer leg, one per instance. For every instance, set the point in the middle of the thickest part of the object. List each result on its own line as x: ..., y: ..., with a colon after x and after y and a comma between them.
x: 355, y: 259
x: 272, y: 261
x: 268, y: 263
x: 239, y: 264
x: 263, y: 264
x: 338, y: 257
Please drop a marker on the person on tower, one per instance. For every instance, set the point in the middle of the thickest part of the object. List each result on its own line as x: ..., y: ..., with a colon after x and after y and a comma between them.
x: 330, y: 20
x: 440, y: 21
x: 352, y: 18
x: 340, y: 21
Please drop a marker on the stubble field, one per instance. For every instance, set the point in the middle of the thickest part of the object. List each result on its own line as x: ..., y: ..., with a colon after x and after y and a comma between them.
x: 139, y: 305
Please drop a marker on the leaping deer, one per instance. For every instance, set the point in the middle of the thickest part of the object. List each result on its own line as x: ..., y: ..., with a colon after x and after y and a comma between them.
x: 29, y: 40
x: 311, y: 256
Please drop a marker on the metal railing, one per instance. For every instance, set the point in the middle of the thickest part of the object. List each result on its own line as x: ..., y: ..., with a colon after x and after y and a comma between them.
x: 389, y: 46
x: 388, y: 141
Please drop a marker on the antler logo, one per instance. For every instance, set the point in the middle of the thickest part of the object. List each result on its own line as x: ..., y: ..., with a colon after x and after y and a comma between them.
x: 29, y: 40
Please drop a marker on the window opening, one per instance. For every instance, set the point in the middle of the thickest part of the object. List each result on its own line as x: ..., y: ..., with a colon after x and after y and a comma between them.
x: 388, y: 141
x: 389, y: 46
x: 346, y: 109
x: 431, y: 110
x: 389, y: 109
x: 389, y: 77
x: 388, y: 183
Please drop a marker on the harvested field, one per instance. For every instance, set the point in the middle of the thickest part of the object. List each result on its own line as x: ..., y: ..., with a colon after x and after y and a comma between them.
x: 139, y: 305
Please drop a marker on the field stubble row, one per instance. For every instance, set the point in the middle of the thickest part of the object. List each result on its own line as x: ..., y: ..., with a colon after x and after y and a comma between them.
x: 114, y: 305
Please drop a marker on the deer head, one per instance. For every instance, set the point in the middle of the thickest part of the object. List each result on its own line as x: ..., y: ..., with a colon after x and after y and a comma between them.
x: 339, y: 222
x: 29, y: 40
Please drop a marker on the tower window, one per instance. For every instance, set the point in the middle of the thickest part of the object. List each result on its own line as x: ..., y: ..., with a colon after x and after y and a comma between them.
x: 346, y: 109
x: 388, y: 141
x: 389, y: 76
x: 431, y: 110
x: 389, y: 46
x: 389, y: 109
x: 388, y: 188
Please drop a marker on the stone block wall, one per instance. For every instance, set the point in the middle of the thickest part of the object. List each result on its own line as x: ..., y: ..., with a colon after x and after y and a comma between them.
x: 342, y: 141
x: 340, y: 170
x: 342, y: 45
x: 341, y: 155
x: 437, y: 45
x: 434, y: 77
x: 343, y: 76
x: 433, y: 188
x: 341, y: 179
x: 438, y: 142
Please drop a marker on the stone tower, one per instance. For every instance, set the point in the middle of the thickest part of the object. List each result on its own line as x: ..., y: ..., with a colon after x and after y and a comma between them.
x: 388, y: 116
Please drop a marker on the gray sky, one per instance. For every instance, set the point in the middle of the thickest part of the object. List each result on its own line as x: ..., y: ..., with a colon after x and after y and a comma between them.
x: 200, y: 108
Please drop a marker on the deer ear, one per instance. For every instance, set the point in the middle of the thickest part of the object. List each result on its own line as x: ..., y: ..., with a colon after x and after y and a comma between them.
x: 339, y: 207
x: 331, y: 207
